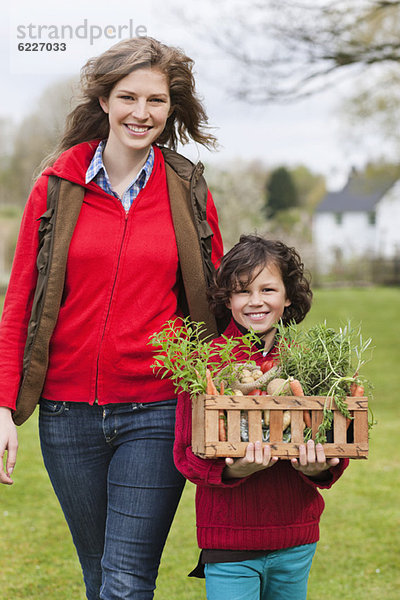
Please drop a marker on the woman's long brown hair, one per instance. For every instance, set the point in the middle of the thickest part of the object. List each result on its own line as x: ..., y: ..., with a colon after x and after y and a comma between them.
x: 87, y: 121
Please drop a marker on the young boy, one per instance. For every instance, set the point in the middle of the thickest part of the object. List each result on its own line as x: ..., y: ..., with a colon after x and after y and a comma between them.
x: 257, y: 516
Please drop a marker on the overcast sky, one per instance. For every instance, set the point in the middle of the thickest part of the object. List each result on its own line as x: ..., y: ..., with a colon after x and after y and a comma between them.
x: 307, y: 133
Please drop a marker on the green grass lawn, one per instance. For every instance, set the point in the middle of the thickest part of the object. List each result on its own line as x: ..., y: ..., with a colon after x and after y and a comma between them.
x: 358, y: 556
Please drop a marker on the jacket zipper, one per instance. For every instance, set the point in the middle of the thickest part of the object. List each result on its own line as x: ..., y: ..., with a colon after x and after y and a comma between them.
x: 109, y: 304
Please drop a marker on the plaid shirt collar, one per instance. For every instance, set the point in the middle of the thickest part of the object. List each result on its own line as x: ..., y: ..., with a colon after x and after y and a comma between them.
x: 97, y: 173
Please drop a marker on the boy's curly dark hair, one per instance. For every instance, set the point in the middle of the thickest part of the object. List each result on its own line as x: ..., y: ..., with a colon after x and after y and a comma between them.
x: 241, y: 265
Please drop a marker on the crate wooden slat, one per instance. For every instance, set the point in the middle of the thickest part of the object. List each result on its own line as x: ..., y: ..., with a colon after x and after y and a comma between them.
x: 296, y: 426
x: 205, y: 440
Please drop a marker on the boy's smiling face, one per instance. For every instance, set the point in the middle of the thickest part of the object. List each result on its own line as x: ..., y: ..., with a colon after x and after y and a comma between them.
x: 261, y: 303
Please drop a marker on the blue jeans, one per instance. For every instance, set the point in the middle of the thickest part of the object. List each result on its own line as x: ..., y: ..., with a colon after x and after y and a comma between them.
x: 112, y: 470
x: 279, y: 575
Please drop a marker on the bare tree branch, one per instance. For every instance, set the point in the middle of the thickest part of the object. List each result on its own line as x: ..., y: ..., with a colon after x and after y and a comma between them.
x: 288, y: 49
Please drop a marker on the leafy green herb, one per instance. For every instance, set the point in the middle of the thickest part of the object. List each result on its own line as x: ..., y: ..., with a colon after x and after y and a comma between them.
x: 184, y: 353
x: 325, y: 361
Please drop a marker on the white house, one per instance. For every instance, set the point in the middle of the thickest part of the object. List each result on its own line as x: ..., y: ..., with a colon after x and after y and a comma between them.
x: 360, y: 221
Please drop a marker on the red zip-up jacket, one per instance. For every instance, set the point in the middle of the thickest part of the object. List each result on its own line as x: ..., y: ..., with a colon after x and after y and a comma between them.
x: 272, y: 509
x: 121, y: 286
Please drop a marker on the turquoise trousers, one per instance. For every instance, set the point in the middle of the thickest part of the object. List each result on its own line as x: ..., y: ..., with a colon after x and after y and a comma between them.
x: 279, y: 575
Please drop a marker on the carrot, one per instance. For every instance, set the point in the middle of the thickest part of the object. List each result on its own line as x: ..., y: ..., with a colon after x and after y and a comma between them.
x: 356, y: 390
x: 295, y: 387
x: 210, y: 387
x: 297, y: 390
x: 212, y: 390
x: 222, y: 435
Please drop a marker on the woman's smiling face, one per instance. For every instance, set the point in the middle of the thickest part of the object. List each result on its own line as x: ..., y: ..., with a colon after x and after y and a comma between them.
x: 138, y: 108
x: 260, y: 304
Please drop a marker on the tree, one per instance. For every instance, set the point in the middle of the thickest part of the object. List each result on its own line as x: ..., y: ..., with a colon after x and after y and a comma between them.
x: 7, y: 133
x: 281, y: 192
x: 311, y: 187
x: 289, y: 49
x: 240, y: 207
x: 286, y: 50
x: 36, y: 137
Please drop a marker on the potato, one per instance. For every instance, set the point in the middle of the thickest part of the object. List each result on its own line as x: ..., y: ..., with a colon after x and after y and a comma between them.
x: 257, y: 373
x: 286, y: 419
x: 245, y: 373
x: 237, y: 393
x: 278, y: 387
x: 247, y: 379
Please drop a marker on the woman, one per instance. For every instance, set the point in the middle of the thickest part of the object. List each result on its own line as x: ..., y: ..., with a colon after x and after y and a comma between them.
x: 106, y: 422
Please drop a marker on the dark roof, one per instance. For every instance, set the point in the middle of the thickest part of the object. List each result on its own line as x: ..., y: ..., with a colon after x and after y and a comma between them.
x: 360, y: 194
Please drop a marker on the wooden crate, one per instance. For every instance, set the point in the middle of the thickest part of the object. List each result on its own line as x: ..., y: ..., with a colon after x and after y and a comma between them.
x: 205, y: 441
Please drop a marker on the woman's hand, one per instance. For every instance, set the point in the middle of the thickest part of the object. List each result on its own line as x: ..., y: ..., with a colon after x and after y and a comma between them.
x: 9, y: 444
x: 256, y: 459
x: 312, y: 461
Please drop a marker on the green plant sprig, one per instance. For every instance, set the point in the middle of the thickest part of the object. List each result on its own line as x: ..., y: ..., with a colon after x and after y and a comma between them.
x: 184, y: 353
x: 325, y: 362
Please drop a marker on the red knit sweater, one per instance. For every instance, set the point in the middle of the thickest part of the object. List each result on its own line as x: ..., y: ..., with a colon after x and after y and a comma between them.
x: 275, y: 508
x: 120, y: 287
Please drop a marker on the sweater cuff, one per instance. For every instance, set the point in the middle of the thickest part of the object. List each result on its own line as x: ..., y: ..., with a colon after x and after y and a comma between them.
x: 334, y: 472
x: 215, y: 472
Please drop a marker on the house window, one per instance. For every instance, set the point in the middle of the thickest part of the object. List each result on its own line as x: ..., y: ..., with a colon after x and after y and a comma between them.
x: 338, y: 218
x: 372, y: 218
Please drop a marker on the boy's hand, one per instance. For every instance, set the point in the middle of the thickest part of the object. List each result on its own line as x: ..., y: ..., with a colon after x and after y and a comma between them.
x: 256, y: 459
x: 312, y: 461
